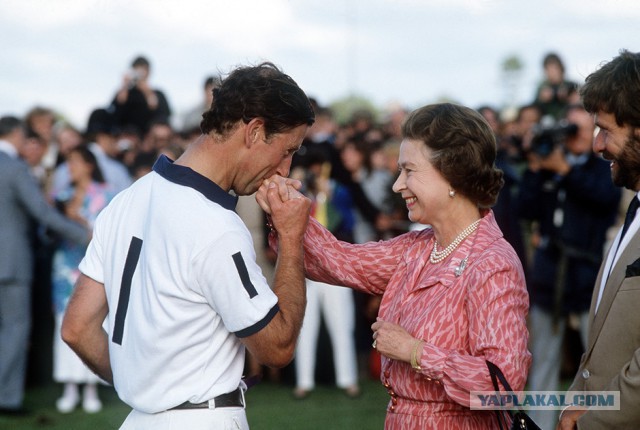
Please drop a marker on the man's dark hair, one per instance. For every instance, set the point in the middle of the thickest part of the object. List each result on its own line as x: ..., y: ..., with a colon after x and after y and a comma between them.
x: 553, y: 58
x: 140, y: 61
x: 32, y: 134
x: 90, y: 158
x: 211, y: 81
x: 8, y: 124
x: 615, y: 89
x: 101, y: 121
x: 263, y: 91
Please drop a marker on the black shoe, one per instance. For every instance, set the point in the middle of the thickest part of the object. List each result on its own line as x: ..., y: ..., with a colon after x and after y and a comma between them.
x: 15, y: 412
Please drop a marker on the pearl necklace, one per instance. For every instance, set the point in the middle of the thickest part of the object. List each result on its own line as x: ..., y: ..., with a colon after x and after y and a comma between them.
x: 438, y: 256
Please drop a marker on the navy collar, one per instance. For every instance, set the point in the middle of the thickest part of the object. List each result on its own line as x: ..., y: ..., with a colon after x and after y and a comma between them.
x: 187, y: 177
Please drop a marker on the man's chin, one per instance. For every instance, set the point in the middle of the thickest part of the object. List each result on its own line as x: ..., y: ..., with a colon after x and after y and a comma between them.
x: 246, y: 191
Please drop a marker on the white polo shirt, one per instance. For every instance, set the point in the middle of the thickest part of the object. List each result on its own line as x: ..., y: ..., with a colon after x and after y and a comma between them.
x: 182, y: 283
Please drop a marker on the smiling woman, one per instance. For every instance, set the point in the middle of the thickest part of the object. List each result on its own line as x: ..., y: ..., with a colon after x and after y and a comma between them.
x: 443, y: 314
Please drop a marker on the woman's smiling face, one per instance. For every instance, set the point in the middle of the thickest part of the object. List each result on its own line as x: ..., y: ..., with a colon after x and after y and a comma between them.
x: 421, y: 185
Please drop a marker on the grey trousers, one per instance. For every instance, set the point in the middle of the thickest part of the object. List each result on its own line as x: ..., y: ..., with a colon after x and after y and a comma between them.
x: 545, y: 343
x: 15, y: 326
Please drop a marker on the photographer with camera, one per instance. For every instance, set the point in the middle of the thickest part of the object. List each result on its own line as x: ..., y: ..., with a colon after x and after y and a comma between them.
x: 555, y: 92
x: 137, y: 103
x: 566, y: 191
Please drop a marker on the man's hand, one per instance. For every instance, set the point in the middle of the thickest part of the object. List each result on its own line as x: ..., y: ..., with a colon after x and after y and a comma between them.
x: 287, y: 189
x: 569, y: 417
x: 555, y: 162
x: 289, y: 209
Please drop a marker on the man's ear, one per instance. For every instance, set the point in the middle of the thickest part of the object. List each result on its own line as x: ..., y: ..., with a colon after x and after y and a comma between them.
x: 254, y: 131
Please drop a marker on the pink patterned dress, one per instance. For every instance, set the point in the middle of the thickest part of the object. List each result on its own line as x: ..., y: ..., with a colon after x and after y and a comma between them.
x: 464, y: 320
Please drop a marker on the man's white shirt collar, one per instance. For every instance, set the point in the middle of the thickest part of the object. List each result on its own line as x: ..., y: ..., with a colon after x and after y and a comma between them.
x: 8, y: 149
x: 616, y: 249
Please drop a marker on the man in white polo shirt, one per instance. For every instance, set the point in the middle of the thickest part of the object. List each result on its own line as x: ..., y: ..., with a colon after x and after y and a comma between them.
x: 173, y: 267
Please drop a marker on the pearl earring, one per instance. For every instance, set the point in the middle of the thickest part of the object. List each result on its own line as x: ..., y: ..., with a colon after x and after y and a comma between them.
x: 452, y: 193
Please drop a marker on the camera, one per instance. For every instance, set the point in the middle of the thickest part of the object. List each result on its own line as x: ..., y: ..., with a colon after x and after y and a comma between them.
x: 134, y: 77
x: 547, y: 137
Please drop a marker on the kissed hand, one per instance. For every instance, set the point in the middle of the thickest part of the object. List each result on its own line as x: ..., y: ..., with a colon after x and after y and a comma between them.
x: 287, y: 189
x: 289, y: 209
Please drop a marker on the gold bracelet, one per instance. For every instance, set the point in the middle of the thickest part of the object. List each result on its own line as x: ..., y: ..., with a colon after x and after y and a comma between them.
x: 414, y: 356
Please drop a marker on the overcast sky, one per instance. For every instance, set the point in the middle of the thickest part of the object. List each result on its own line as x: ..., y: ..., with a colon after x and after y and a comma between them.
x: 70, y: 55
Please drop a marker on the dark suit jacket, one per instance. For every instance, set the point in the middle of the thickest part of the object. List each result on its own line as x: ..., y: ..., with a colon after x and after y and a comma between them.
x: 589, y: 205
x: 612, y: 358
x: 22, y: 201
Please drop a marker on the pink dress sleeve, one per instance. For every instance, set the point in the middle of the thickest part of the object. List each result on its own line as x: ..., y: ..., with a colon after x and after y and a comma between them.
x: 364, y: 267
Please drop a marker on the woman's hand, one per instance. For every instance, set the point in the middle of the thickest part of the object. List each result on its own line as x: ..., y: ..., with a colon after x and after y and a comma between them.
x: 289, y: 209
x: 393, y: 341
x: 287, y: 189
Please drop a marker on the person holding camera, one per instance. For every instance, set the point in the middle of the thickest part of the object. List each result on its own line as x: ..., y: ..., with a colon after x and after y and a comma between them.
x: 555, y: 92
x: 566, y: 191
x: 137, y: 103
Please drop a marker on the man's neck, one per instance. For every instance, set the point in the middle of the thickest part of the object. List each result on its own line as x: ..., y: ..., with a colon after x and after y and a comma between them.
x: 212, y: 160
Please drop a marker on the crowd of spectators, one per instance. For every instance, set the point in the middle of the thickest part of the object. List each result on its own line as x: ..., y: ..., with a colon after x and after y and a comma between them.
x: 545, y: 210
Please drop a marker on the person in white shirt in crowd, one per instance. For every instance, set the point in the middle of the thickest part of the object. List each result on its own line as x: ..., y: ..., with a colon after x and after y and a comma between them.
x: 102, y: 132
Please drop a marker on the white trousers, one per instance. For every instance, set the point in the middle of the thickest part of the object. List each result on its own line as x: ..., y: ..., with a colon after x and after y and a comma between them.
x: 67, y: 366
x: 338, y: 308
x: 545, y: 343
x: 192, y: 419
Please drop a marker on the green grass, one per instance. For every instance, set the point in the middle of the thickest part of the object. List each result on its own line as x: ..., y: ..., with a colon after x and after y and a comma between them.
x: 273, y: 407
x: 270, y: 406
x: 41, y: 402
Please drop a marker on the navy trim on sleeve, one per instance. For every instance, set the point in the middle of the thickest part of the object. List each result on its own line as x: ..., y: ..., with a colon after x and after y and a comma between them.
x: 260, y: 324
x: 244, y: 274
x: 188, y: 177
